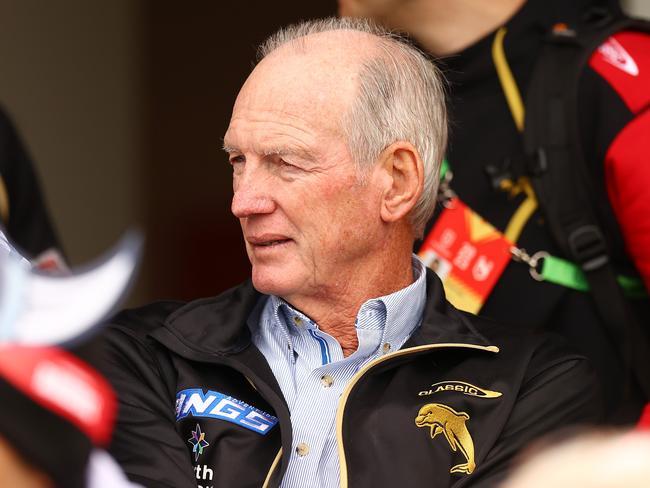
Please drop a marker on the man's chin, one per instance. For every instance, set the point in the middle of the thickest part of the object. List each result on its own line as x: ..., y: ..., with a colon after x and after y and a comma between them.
x: 277, y: 282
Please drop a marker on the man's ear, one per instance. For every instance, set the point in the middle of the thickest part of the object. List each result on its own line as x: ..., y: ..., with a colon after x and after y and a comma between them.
x: 404, y: 169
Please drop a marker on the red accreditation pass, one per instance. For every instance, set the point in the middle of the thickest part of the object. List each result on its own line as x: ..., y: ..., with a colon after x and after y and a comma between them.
x: 468, y: 254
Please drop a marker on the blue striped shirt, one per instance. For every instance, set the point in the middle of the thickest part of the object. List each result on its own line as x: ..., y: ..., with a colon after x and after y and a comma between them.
x: 312, y: 371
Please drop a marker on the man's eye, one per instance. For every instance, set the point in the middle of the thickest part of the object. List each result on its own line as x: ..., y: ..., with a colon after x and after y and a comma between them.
x: 237, y: 159
x: 284, y: 164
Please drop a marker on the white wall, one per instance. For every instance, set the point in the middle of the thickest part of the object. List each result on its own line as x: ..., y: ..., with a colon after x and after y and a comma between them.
x: 70, y: 78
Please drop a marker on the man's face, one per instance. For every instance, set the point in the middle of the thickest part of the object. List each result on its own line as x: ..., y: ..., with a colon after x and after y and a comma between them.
x: 307, y: 220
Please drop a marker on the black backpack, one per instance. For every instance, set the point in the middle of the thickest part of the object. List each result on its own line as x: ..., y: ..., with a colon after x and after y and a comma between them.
x: 556, y: 166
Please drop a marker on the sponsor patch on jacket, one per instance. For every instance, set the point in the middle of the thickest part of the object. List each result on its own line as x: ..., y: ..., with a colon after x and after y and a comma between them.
x: 460, y: 387
x: 215, y: 405
x: 198, y: 442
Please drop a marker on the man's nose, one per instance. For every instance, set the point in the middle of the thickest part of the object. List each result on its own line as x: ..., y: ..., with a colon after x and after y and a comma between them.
x: 251, y: 195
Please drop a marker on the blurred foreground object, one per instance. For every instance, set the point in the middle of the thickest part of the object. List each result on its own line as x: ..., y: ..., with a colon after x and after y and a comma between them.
x: 51, y: 398
x: 56, y: 412
x: 38, y: 308
x: 596, y: 460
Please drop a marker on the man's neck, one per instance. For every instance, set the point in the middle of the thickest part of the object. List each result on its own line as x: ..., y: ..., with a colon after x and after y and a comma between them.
x: 335, y: 310
x: 448, y: 27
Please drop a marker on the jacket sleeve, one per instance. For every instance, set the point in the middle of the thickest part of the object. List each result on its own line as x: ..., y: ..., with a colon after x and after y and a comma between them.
x: 556, y: 395
x: 145, y: 441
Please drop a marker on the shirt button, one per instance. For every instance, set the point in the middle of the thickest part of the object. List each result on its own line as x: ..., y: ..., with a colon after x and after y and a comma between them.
x: 302, y: 449
x: 327, y: 380
x: 297, y: 320
x: 386, y: 347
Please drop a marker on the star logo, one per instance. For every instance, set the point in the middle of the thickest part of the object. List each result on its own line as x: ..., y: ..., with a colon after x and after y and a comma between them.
x: 198, y: 442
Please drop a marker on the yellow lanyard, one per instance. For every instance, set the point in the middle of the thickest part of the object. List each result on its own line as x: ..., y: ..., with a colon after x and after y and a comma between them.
x: 513, y: 98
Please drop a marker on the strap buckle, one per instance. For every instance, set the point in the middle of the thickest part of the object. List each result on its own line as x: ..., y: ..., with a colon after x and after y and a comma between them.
x: 535, y: 261
x: 588, y: 247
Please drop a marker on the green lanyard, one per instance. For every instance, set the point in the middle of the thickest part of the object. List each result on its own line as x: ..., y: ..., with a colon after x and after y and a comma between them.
x: 544, y: 267
x: 566, y: 273
x: 444, y: 168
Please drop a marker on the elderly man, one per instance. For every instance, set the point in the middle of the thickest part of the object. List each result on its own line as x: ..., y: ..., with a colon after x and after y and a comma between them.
x: 341, y: 363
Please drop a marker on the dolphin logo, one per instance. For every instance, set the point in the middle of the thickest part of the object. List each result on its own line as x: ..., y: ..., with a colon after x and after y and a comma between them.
x: 441, y: 418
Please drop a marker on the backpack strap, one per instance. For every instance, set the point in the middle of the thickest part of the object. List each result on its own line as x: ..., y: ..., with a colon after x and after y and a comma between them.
x: 559, y: 176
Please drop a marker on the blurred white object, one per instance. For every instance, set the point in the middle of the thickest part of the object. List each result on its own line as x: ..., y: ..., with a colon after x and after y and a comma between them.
x: 37, y: 308
x: 104, y: 472
x: 593, y: 460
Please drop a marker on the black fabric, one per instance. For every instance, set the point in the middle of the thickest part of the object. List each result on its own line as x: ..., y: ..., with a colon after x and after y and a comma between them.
x: 43, y: 439
x: 483, y: 134
x: 29, y: 226
x: 154, y: 352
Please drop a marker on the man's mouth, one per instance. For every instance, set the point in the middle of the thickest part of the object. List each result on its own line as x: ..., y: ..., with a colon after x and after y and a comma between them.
x: 267, y: 241
x: 273, y: 243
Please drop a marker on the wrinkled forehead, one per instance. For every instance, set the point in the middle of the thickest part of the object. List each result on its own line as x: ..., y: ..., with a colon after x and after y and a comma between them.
x: 316, y: 74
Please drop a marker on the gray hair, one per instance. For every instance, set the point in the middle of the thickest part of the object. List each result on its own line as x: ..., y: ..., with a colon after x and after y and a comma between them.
x: 401, y: 97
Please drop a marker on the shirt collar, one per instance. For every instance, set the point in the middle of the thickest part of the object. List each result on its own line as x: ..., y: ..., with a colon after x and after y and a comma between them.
x: 402, y: 309
x: 397, y: 314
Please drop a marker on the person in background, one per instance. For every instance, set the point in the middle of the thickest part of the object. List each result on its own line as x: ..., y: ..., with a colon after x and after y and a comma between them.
x: 56, y: 412
x: 488, y: 51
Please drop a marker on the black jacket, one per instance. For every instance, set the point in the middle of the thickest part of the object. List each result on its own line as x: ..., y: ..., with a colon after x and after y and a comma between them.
x: 486, y: 390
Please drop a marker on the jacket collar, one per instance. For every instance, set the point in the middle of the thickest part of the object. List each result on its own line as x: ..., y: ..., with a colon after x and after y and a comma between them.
x: 215, y: 325
x: 218, y: 325
x: 442, y: 322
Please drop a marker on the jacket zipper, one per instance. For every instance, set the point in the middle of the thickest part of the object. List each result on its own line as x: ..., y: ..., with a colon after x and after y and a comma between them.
x: 276, y: 461
x: 355, y: 379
